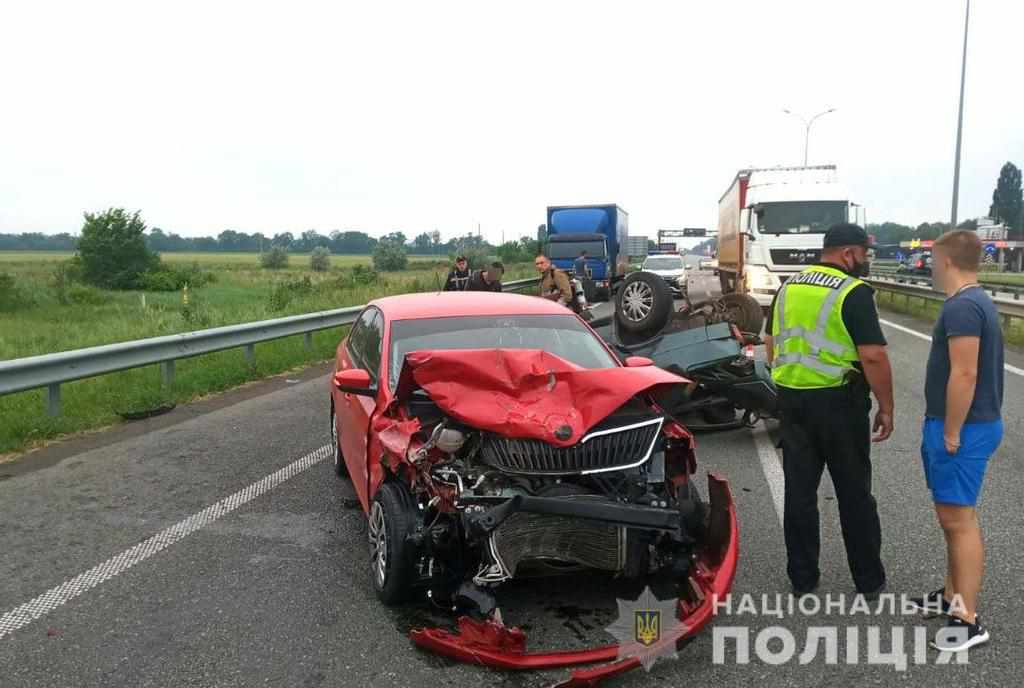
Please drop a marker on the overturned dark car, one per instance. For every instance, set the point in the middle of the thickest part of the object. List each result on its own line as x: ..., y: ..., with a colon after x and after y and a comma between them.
x: 495, y: 436
x: 709, y: 342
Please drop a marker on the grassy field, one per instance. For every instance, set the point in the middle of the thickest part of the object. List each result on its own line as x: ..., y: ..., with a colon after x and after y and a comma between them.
x: 241, y: 292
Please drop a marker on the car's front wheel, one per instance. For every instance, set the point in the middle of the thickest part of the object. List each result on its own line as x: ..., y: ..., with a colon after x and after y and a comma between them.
x: 392, y: 520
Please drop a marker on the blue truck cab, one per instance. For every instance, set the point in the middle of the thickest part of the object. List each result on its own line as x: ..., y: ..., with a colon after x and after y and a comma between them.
x: 600, y: 230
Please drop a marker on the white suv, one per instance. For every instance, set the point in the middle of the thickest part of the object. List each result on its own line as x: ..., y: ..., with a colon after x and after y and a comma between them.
x: 671, y: 268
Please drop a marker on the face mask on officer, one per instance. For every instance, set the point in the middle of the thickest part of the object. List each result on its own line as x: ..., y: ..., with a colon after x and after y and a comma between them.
x: 855, y: 261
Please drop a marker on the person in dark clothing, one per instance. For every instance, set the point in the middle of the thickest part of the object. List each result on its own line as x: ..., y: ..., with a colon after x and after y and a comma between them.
x: 579, y: 266
x: 487, y: 280
x: 459, y: 276
x: 828, y: 352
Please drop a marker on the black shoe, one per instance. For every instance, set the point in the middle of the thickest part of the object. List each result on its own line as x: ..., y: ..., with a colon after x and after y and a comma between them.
x: 933, y: 604
x: 958, y: 635
x: 872, y: 595
x: 801, y: 590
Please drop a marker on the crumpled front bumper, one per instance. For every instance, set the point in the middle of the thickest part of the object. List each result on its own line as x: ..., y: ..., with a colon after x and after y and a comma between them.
x: 492, y: 644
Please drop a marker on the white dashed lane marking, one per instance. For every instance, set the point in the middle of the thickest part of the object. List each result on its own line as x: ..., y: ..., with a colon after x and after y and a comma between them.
x: 83, y: 582
x: 771, y: 466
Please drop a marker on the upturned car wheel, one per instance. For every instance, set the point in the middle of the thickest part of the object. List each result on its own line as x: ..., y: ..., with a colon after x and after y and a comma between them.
x: 392, y: 518
x: 643, y: 304
x: 340, y: 469
x: 744, y: 312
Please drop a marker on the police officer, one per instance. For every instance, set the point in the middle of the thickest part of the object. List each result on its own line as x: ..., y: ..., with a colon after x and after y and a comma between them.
x: 828, y: 351
x: 459, y: 276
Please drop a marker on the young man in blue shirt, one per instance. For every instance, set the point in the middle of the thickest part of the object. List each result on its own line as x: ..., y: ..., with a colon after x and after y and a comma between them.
x: 962, y: 430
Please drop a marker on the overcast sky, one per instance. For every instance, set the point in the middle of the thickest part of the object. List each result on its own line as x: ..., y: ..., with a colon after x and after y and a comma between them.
x: 376, y: 116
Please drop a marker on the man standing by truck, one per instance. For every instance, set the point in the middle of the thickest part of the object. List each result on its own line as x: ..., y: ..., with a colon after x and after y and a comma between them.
x: 580, y: 265
x: 828, y: 351
x: 554, y: 284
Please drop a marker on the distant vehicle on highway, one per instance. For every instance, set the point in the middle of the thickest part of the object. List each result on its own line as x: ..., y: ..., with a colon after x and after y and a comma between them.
x: 708, y: 264
x: 601, y: 231
x: 917, y: 263
x: 771, y: 223
x: 458, y: 419
x: 671, y: 268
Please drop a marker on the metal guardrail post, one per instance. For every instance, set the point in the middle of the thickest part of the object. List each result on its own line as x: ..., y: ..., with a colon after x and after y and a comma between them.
x: 307, y: 341
x: 250, y: 354
x: 167, y: 373
x: 53, y: 399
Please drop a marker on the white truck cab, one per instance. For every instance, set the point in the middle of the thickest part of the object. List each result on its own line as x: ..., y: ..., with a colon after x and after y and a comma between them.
x: 772, y: 223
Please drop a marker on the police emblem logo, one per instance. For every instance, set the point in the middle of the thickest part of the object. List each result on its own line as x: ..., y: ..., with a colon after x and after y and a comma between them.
x: 648, y: 626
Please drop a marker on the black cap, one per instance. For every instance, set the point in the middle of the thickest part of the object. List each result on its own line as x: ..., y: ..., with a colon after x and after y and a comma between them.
x: 846, y: 234
x: 460, y: 259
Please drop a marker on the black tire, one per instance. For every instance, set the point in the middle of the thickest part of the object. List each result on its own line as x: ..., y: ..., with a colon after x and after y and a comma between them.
x: 643, y: 305
x: 392, y: 519
x: 340, y: 468
x: 744, y: 312
x: 589, y: 290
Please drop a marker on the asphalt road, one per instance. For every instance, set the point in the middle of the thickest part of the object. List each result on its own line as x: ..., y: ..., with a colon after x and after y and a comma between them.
x: 152, y: 587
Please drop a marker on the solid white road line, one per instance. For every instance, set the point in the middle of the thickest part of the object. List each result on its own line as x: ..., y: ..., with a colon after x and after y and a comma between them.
x: 70, y: 589
x: 920, y: 335
x: 771, y: 466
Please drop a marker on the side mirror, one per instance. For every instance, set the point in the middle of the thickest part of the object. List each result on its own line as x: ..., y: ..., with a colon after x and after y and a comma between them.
x: 638, y: 362
x: 354, y: 381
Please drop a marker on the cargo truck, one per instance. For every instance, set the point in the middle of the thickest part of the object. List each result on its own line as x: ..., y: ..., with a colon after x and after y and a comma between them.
x: 771, y: 223
x: 601, y: 231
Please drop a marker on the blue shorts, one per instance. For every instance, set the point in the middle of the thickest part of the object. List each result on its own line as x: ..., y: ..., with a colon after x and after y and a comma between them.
x: 956, y: 478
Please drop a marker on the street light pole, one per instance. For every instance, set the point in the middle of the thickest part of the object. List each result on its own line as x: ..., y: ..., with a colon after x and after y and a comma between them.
x: 807, y: 127
x: 960, y: 122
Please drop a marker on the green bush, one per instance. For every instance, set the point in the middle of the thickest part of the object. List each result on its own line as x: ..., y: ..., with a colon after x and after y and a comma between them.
x: 82, y: 295
x: 320, y: 259
x: 168, y: 278
x: 274, y: 259
x: 358, y: 276
x: 113, y: 250
x: 283, y: 293
x: 390, y: 256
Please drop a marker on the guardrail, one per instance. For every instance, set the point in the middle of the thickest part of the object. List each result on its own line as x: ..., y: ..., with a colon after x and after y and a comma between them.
x: 894, y: 275
x: 1008, y: 308
x: 52, y: 370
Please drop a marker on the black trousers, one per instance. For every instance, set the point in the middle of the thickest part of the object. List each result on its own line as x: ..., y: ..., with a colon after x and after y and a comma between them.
x: 829, y: 427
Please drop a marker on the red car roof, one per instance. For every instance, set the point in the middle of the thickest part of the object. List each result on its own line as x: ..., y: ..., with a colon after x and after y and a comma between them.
x: 455, y: 303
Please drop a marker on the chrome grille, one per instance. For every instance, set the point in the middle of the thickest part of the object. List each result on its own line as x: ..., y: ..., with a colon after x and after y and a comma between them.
x: 601, y: 450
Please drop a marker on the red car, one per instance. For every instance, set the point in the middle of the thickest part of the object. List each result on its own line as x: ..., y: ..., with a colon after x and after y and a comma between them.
x: 491, y: 436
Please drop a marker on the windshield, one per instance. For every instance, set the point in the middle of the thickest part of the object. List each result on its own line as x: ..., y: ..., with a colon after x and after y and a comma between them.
x: 572, y: 249
x: 800, y: 217
x: 562, y: 335
x: 664, y: 263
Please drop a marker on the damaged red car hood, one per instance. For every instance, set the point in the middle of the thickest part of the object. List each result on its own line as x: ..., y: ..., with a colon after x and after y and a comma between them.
x: 525, y: 393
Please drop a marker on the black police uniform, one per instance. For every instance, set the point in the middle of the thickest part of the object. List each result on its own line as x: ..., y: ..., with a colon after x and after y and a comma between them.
x: 832, y: 427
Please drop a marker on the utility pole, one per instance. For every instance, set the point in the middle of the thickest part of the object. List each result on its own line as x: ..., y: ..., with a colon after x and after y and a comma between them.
x: 960, y: 122
x: 807, y: 127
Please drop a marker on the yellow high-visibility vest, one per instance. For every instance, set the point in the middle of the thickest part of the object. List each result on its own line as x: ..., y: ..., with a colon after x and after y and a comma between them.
x: 813, y: 349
